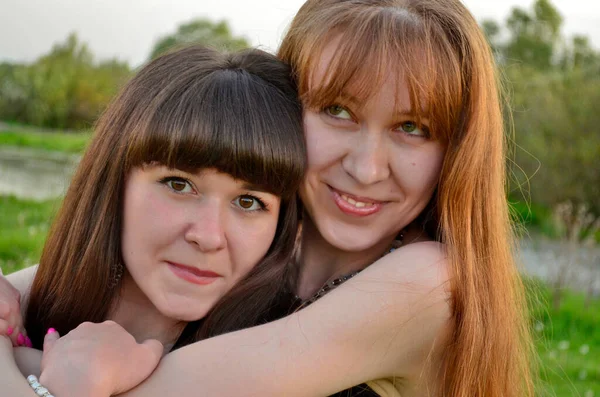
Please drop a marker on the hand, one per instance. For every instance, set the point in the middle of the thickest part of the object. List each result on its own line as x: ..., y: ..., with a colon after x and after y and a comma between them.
x: 97, y: 360
x: 11, y: 321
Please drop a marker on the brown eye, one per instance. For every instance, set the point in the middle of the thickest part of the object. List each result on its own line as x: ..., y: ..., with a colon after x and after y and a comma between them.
x: 246, y: 202
x: 249, y: 203
x: 178, y: 185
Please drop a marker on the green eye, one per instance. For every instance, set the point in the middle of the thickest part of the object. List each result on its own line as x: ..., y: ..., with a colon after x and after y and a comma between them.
x: 338, y: 111
x: 410, y: 128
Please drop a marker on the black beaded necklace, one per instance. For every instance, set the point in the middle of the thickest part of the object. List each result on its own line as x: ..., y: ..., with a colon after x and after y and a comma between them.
x: 328, y: 286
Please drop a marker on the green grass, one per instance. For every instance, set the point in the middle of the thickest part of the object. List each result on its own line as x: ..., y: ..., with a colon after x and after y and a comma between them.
x: 54, y: 141
x: 23, y: 228
x: 567, y: 339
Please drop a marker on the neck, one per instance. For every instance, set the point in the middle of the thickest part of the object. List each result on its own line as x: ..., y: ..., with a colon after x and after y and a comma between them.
x: 139, y: 317
x: 321, y: 262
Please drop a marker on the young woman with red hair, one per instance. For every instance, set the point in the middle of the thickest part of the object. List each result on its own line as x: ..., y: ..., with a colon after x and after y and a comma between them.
x: 406, y: 153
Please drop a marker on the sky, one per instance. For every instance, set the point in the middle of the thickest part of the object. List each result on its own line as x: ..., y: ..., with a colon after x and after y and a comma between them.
x: 127, y: 29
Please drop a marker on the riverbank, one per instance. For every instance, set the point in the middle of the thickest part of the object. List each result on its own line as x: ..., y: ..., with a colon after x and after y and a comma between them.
x: 36, y: 174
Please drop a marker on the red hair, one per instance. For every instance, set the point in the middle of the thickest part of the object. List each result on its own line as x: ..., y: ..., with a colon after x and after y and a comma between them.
x: 437, y: 46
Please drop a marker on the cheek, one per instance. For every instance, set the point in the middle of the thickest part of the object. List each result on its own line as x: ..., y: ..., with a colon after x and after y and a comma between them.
x: 418, y: 171
x: 147, y: 220
x: 249, y: 242
x: 323, y: 144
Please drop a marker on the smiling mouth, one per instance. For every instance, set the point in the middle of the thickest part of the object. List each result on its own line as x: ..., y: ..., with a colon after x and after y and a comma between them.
x: 355, y: 205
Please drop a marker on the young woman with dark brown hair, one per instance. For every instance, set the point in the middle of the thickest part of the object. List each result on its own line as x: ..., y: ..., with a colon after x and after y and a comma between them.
x: 183, y: 209
x: 405, y: 142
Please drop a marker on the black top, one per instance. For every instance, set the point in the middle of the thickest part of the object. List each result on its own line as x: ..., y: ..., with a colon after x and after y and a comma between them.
x: 357, y: 391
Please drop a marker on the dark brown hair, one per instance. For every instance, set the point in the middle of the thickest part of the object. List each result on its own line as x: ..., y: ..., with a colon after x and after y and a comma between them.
x: 194, y: 108
x: 438, y: 49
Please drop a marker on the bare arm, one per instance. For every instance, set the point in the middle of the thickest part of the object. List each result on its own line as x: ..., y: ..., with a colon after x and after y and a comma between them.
x: 13, y: 306
x: 28, y: 360
x: 382, y: 323
x: 12, y: 381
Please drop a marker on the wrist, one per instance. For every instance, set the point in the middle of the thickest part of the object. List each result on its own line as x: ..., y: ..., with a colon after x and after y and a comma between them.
x: 37, y: 387
x: 74, y: 385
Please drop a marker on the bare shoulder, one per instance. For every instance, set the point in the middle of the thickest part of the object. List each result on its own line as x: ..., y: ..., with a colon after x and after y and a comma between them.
x: 413, y: 285
x: 422, y: 264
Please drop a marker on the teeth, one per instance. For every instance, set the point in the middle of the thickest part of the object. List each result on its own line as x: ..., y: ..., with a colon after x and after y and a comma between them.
x: 357, y: 204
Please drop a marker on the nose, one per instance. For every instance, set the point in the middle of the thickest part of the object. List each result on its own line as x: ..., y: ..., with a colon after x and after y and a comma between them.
x: 207, y: 229
x: 366, y: 160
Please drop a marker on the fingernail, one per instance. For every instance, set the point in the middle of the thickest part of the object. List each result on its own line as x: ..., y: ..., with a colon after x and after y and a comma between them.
x: 28, y: 342
x: 9, y: 331
x: 20, y: 339
x: 50, y: 331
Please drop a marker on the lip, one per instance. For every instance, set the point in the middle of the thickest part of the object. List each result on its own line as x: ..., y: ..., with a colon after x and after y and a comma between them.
x: 349, y: 209
x: 193, y: 274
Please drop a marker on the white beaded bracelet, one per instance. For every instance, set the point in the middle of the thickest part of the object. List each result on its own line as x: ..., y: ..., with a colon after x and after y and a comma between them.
x: 37, y: 387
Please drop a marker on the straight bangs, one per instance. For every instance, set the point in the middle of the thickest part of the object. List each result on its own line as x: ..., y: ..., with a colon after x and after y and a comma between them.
x: 231, y: 121
x: 374, y: 44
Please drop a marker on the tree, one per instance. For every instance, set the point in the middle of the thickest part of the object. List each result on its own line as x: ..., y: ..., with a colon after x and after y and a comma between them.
x: 62, y: 89
x: 200, y: 31
x: 491, y: 29
x: 534, y: 36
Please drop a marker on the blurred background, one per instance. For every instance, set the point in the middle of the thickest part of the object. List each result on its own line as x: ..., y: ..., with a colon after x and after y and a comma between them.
x: 61, y: 62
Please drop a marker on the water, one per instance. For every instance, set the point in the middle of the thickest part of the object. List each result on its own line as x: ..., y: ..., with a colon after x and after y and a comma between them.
x: 35, y: 174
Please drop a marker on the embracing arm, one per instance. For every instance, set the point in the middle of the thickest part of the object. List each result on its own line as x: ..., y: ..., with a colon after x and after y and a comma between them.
x: 12, y: 381
x: 27, y: 360
x: 382, y: 323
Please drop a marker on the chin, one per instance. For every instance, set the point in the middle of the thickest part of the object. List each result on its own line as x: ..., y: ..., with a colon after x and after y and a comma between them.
x: 347, y: 238
x: 185, y: 311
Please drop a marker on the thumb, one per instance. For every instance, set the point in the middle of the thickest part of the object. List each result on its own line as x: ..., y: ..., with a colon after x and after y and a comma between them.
x: 50, y: 339
x: 154, y: 351
x: 150, y: 354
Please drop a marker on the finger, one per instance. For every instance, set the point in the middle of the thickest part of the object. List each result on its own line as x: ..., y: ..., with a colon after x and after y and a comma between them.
x: 154, y: 350
x: 147, y: 359
x: 152, y: 353
x: 6, y: 329
x: 5, y: 342
x: 14, y: 334
x: 10, y: 312
x: 50, y: 339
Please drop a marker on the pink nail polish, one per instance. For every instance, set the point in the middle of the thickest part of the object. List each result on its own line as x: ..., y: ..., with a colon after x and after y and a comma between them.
x: 28, y: 342
x: 50, y: 331
x: 9, y: 331
x: 20, y: 339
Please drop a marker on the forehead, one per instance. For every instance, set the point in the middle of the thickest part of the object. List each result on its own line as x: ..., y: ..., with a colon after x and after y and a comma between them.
x: 361, y: 87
